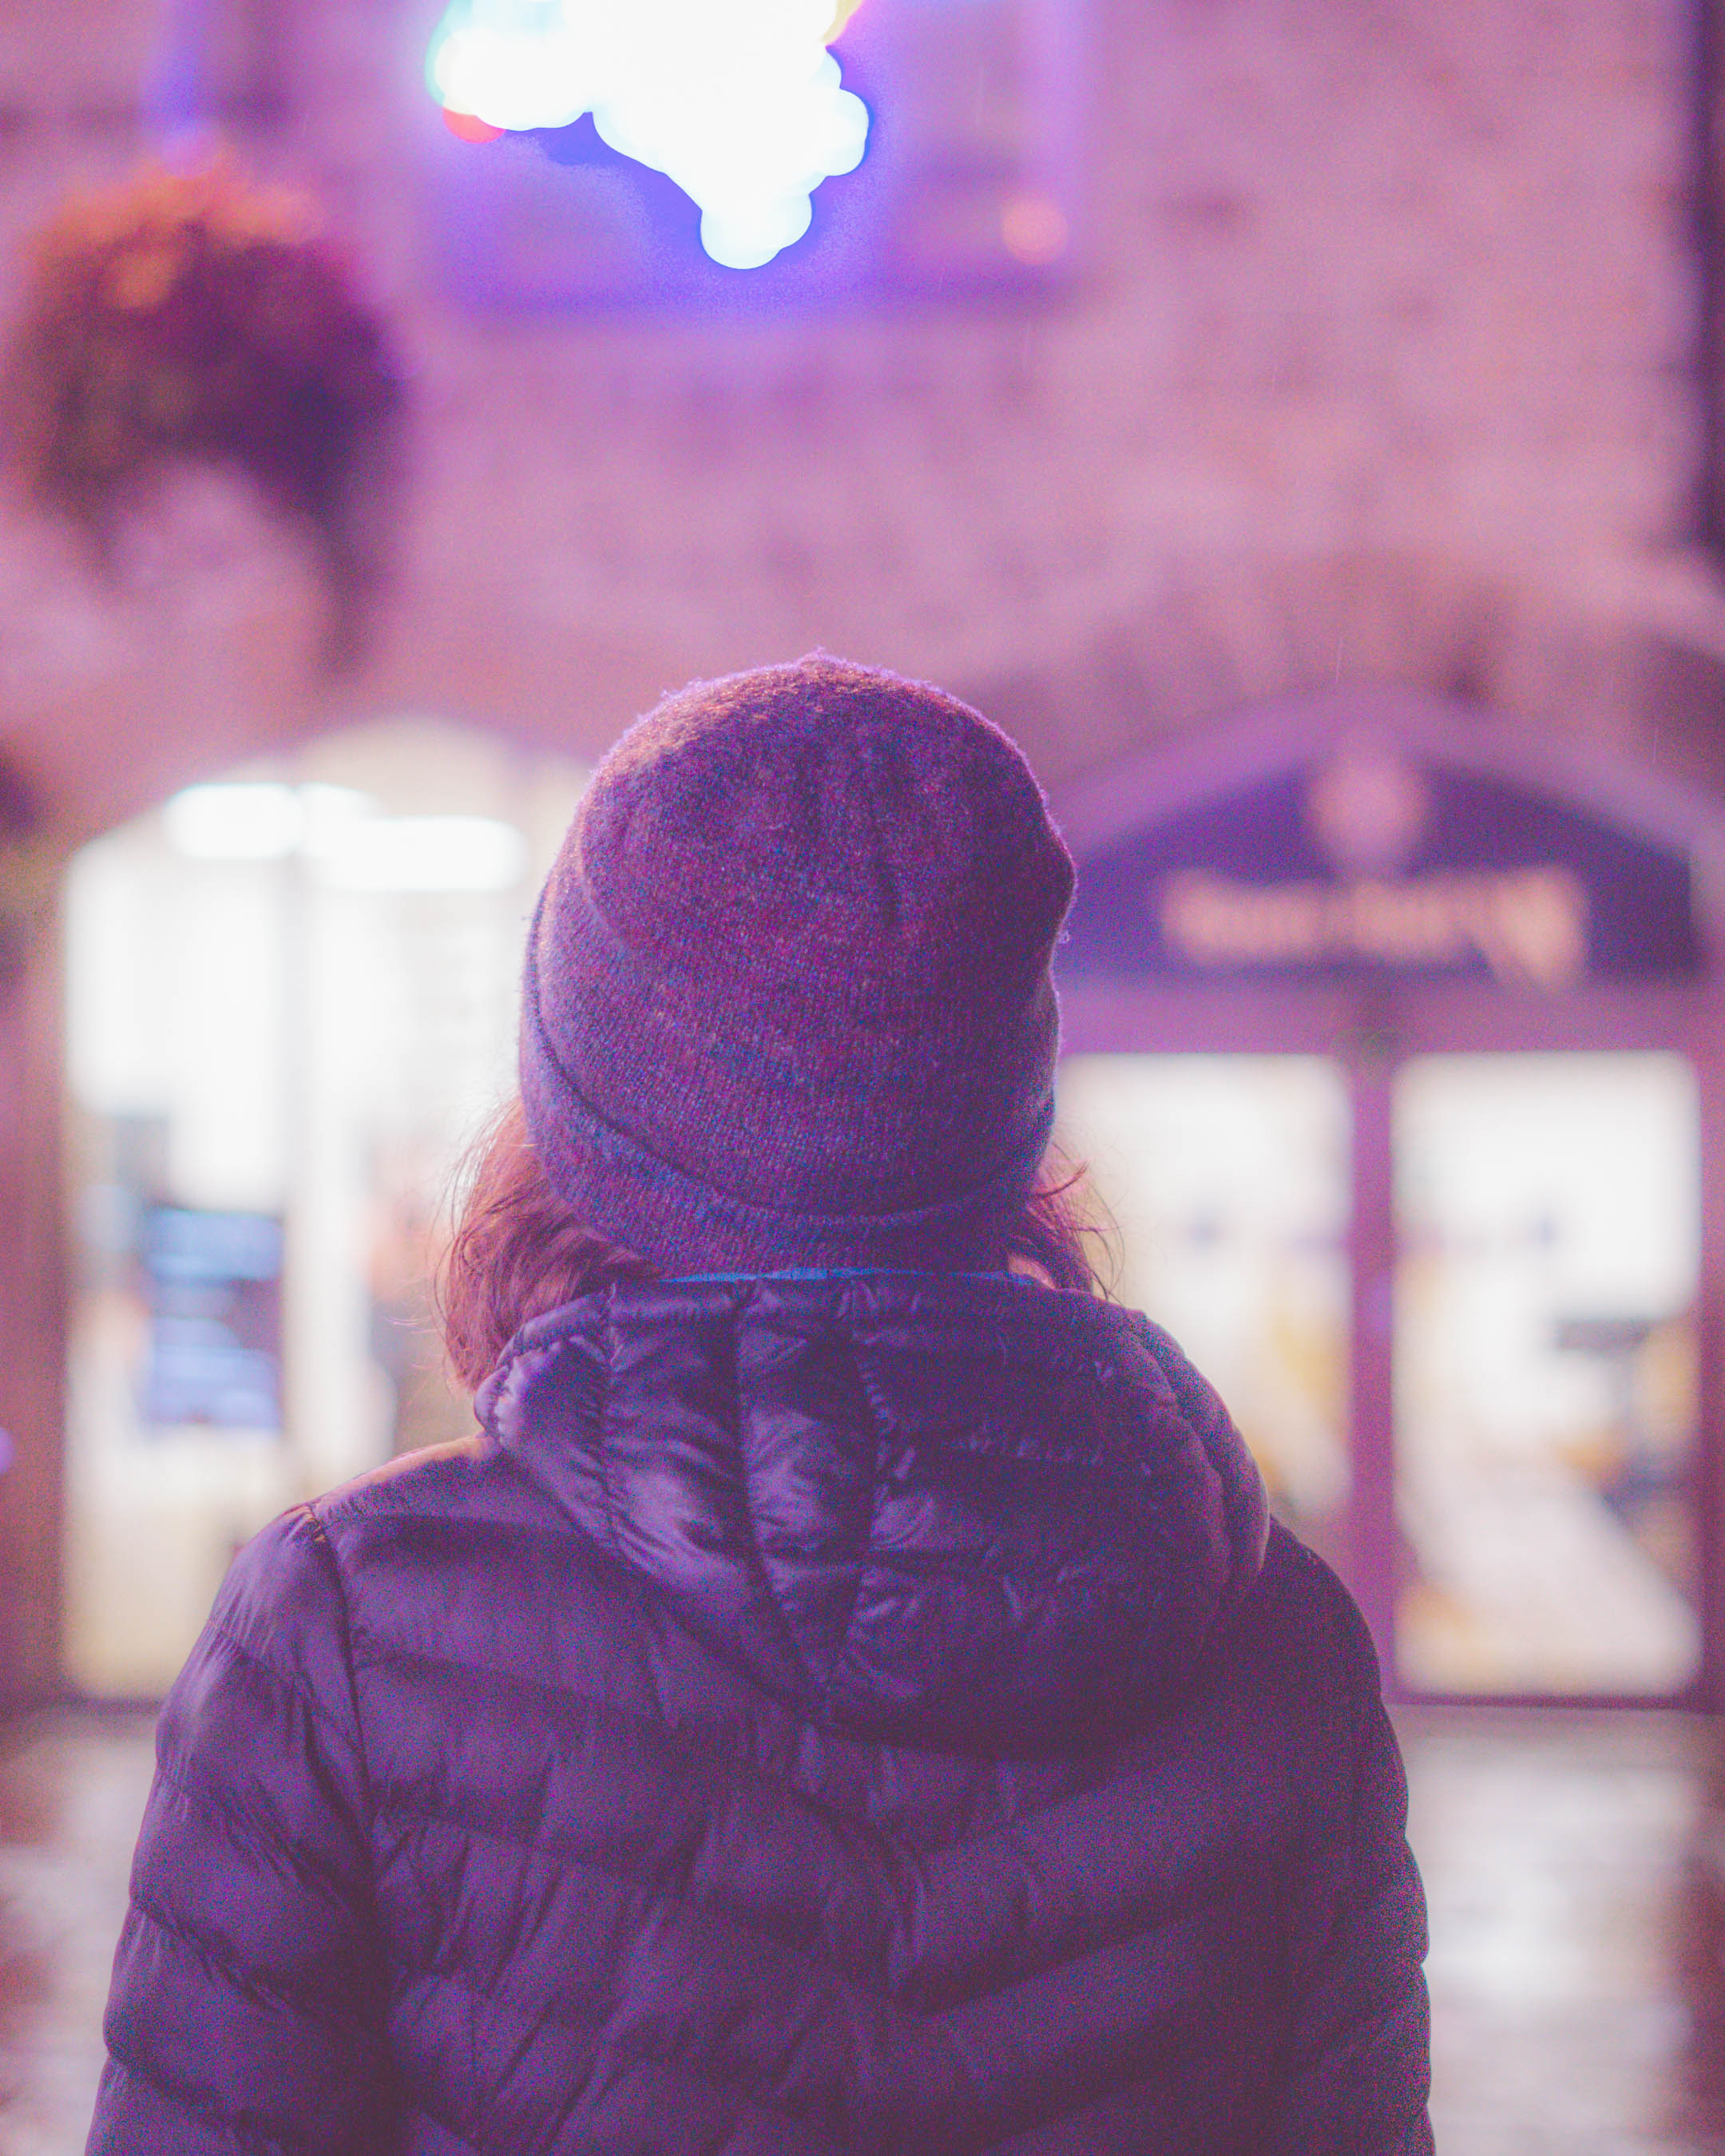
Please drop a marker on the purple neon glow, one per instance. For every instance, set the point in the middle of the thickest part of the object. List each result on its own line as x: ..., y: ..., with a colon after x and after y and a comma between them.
x: 739, y: 101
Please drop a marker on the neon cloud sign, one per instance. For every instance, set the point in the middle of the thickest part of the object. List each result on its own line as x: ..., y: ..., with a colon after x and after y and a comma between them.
x: 739, y: 101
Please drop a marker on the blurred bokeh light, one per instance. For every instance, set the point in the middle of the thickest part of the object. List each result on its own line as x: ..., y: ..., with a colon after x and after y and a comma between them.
x: 738, y: 102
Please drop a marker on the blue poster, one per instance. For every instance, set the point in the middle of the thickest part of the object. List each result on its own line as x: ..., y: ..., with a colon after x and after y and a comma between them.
x: 212, y: 1288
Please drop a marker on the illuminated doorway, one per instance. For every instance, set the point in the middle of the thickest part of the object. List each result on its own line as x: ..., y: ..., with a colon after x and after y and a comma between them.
x: 1548, y: 1292
x: 1227, y: 1180
x: 291, y: 1001
x: 1394, y: 1057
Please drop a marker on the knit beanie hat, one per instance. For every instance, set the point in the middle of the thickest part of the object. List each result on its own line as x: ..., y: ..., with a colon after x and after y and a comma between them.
x: 787, y: 1000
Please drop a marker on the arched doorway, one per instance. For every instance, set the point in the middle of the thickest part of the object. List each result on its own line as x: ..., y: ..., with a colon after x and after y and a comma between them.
x: 292, y: 996
x: 1393, y: 1043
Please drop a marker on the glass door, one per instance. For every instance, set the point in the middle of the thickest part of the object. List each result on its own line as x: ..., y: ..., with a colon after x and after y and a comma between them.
x: 290, y: 997
x: 1547, y: 1235
x: 1227, y: 1180
x: 1452, y: 1303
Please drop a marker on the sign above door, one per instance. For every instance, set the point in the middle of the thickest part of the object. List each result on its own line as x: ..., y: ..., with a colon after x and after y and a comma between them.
x: 1381, y: 858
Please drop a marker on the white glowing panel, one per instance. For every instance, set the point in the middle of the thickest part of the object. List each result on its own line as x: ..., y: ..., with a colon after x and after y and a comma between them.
x: 1549, y: 1248
x: 246, y: 821
x: 339, y: 831
x: 738, y: 102
x: 424, y: 853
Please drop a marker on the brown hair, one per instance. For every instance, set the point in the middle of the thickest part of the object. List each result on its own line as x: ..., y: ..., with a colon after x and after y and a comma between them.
x: 517, y: 1250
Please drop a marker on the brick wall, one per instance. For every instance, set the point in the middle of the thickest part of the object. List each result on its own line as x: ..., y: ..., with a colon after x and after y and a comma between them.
x: 1377, y: 367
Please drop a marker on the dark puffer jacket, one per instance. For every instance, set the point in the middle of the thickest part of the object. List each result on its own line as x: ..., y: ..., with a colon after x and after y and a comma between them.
x: 819, y: 1713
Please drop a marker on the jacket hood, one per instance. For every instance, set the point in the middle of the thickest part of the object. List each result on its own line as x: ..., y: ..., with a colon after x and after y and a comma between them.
x: 965, y: 1511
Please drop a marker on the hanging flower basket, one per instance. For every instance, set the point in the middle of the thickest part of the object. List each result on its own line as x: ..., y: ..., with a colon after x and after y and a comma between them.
x: 186, y: 317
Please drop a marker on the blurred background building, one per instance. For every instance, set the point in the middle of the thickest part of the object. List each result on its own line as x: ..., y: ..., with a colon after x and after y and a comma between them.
x: 1300, y: 424
x: 1297, y: 424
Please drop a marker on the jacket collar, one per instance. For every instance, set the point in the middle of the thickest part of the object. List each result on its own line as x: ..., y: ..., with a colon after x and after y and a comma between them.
x: 958, y: 1510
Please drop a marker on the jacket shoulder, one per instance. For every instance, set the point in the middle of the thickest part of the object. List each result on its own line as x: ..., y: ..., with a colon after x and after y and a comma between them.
x: 1296, y: 1648
x: 455, y: 1567
x: 471, y: 1487
x: 1302, y: 1600
x: 433, y: 1478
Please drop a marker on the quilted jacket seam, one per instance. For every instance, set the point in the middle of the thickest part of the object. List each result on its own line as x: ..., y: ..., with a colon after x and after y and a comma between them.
x: 543, y: 2015
x: 681, y: 1898
x: 441, y: 2120
x: 325, y: 1548
x: 254, y: 1831
x: 444, y: 2126
x: 289, y: 1683
x: 495, y: 1994
x: 221, y: 2122
x: 745, y: 1766
x: 1140, y: 1924
x: 251, y: 1982
x: 635, y: 1718
x: 782, y: 1622
x: 1073, y: 2113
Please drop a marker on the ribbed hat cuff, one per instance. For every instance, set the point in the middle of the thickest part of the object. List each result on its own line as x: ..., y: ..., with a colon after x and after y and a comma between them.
x: 625, y: 1194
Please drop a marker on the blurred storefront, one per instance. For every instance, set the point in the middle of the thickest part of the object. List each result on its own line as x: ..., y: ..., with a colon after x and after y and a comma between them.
x: 290, y: 1002
x: 1393, y: 1051
x: 1154, y: 365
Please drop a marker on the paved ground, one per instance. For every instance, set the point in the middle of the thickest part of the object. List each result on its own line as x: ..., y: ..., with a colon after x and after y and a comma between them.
x: 1575, y: 1866
x: 71, y: 1790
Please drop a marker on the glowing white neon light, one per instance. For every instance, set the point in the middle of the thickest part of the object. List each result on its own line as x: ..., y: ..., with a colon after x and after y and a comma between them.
x: 738, y: 100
